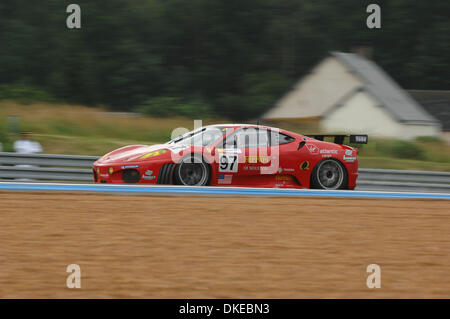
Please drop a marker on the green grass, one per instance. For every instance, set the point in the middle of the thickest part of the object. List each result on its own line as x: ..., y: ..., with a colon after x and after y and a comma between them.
x: 69, y: 129
x: 421, y: 154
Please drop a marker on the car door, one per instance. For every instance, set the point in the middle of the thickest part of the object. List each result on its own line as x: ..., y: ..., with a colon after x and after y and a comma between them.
x: 239, y: 153
x: 284, y: 152
x: 229, y: 155
x: 256, y: 152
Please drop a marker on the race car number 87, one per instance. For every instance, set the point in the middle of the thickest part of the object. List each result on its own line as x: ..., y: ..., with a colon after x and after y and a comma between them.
x: 228, y: 163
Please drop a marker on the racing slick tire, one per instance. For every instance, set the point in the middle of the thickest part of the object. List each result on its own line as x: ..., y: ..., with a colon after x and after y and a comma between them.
x: 192, y: 170
x: 329, y: 174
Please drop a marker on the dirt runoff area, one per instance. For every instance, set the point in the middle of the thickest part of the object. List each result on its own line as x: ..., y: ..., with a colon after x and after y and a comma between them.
x: 222, y: 247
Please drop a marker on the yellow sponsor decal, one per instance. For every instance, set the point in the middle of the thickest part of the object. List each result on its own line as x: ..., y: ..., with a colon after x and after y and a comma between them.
x: 111, y: 170
x: 257, y: 159
x: 283, y: 177
x: 304, y: 166
x: 153, y: 154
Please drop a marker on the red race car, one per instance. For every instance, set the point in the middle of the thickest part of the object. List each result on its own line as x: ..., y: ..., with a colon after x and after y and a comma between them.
x: 237, y: 155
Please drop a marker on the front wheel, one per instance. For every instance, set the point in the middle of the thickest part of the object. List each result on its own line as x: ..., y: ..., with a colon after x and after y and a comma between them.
x: 329, y: 174
x: 192, y: 171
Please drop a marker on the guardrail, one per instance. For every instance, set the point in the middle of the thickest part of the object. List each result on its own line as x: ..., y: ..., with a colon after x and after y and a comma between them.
x: 46, y: 167
x: 47, y: 159
x: 403, y: 180
x: 51, y: 167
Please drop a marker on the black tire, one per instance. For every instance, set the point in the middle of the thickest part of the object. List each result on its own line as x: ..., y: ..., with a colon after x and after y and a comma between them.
x: 192, y: 170
x: 329, y: 174
x: 165, y: 176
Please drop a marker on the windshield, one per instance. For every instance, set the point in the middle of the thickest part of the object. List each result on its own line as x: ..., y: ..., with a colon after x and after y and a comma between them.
x: 201, y: 137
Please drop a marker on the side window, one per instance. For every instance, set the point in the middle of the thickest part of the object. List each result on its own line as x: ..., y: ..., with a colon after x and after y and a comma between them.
x: 263, y: 138
x: 251, y: 137
x: 280, y: 138
x: 284, y: 139
x: 247, y: 138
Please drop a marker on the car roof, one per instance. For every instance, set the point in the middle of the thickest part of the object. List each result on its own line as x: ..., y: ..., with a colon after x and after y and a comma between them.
x: 253, y: 126
x: 244, y: 125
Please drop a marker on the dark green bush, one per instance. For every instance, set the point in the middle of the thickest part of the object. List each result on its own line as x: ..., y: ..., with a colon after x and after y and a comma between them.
x: 401, y: 149
x: 2, y: 134
x: 5, y: 140
x: 430, y: 139
x: 24, y: 94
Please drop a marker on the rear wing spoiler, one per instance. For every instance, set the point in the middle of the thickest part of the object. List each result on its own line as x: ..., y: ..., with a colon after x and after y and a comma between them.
x: 339, y: 139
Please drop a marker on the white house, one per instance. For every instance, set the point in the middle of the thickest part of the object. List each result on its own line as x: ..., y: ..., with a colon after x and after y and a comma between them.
x: 346, y: 92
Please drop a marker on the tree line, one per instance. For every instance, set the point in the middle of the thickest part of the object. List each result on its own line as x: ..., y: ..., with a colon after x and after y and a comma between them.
x: 230, y: 58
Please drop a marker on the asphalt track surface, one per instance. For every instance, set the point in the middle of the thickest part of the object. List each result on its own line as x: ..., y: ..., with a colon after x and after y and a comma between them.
x: 211, y: 191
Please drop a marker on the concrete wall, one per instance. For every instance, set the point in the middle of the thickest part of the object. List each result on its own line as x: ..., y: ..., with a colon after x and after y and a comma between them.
x: 362, y: 114
x: 315, y: 93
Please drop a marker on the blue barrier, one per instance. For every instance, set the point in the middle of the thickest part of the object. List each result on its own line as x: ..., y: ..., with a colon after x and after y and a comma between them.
x: 210, y: 191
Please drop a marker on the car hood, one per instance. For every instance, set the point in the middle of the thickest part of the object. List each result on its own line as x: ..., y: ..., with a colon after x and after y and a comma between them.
x: 131, y: 153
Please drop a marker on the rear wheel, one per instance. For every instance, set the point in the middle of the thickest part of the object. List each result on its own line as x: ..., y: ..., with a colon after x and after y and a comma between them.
x: 192, y: 171
x: 329, y: 174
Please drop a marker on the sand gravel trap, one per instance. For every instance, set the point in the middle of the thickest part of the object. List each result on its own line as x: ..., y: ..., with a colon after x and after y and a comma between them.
x: 221, y: 247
